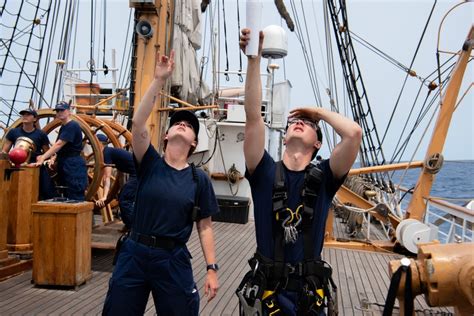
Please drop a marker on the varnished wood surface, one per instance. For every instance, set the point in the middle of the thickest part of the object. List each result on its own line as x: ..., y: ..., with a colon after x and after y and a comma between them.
x: 62, y: 243
x: 362, y: 280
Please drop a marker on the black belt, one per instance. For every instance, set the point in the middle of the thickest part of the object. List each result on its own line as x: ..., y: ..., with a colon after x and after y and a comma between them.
x: 156, y: 241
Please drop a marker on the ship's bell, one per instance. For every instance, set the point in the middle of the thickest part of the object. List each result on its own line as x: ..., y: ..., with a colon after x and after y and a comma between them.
x: 22, y: 150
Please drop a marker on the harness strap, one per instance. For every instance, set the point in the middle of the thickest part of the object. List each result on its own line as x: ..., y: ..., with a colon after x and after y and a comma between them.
x: 280, y: 197
x: 196, y: 208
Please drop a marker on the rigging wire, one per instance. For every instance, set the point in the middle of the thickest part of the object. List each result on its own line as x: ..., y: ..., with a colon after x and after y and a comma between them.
x: 49, y: 29
x: 406, y: 76
x: 385, y: 56
x: 241, y: 79
x: 123, y: 73
x: 300, y: 38
x: 91, y: 64
x: 420, y: 115
x: 226, y: 71
x: 106, y: 68
x: 23, y: 65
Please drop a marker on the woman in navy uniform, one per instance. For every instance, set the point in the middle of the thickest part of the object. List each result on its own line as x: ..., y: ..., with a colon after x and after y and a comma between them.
x: 40, y: 139
x: 155, y: 257
x: 71, y: 166
x: 123, y: 161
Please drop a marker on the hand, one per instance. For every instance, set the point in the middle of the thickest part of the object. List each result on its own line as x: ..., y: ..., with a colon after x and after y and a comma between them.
x: 211, y: 285
x: 244, y: 40
x: 51, y: 162
x: 39, y: 160
x: 164, y: 66
x: 101, y: 202
x: 314, y: 114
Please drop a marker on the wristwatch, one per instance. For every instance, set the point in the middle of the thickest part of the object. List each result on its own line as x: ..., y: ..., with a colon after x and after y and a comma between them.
x: 213, y: 266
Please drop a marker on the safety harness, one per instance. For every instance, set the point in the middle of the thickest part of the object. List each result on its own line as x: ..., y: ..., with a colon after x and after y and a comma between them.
x: 310, y: 278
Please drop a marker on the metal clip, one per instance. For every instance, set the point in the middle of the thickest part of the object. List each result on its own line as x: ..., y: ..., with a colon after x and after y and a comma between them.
x: 254, y: 272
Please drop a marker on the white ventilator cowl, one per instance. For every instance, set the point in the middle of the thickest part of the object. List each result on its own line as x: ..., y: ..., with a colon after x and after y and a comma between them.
x: 275, y: 42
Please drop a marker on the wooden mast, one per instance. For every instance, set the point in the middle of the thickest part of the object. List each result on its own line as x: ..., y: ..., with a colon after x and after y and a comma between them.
x: 160, y: 16
x: 417, y: 206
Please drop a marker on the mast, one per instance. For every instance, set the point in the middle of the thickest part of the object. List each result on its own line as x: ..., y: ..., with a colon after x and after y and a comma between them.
x: 154, y: 32
x: 433, y: 158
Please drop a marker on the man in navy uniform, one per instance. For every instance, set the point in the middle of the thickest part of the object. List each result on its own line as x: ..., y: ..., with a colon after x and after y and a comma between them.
x: 123, y: 162
x: 40, y: 139
x: 291, y: 199
x: 71, y: 166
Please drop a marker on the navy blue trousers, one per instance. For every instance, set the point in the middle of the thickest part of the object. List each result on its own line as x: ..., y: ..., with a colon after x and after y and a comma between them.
x: 72, y: 173
x: 166, y: 273
x: 46, y: 185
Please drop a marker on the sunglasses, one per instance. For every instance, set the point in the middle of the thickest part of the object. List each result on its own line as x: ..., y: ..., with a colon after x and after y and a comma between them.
x: 303, y: 120
x: 185, y: 123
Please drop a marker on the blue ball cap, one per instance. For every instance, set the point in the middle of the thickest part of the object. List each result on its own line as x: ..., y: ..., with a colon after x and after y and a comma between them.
x: 63, y: 105
x: 102, y: 138
x: 29, y: 111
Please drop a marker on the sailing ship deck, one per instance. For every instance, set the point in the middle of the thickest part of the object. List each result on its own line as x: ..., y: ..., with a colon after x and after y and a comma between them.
x: 362, y: 279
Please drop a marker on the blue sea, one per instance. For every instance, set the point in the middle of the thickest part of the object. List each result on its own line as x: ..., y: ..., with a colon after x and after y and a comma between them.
x: 454, y: 181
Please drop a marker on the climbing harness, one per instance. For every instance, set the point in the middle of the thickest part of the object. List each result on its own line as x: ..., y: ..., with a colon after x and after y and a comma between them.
x: 311, y: 278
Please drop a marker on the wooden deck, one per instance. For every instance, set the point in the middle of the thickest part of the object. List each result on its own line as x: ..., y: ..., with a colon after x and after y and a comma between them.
x: 362, y: 279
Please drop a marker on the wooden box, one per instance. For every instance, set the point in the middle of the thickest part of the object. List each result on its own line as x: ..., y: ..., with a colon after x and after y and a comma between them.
x: 62, y: 243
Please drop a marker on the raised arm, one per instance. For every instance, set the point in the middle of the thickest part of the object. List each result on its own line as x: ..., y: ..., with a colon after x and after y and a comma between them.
x: 140, y: 136
x: 254, y: 143
x: 345, y: 152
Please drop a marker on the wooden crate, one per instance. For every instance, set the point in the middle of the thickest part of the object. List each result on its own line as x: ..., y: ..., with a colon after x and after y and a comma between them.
x: 62, y: 243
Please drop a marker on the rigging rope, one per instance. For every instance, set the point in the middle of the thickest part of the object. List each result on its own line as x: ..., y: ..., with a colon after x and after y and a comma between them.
x: 406, y: 76
x: 241, y: 79
x: 226, y: 71
x: 106, y: 68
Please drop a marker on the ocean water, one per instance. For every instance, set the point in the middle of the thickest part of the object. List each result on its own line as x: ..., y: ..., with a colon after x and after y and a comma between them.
x: 454, y: 182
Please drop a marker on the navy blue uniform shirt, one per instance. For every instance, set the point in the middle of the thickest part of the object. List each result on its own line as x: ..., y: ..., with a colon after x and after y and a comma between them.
x: 37, y: 136
x: 72, y: 134
x: 261, y: 184
x: 165, y: 198
x: 122, y: 159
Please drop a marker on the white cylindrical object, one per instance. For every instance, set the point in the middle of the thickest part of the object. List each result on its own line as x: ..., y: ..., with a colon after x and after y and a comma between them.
x: 254, y: 19
x: 275, y: 43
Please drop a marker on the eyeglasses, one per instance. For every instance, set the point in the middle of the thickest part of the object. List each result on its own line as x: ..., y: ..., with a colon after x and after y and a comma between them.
x: 185, y: 123
x: 303, y: 120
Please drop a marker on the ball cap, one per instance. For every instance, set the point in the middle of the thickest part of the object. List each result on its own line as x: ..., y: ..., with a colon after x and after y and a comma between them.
x: 102, y: 138
x: 62, y: 106
x: 188, y: 116
x: 29, y: 111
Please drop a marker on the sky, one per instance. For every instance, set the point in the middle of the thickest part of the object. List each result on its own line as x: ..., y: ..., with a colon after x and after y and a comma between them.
x: 394, y: 27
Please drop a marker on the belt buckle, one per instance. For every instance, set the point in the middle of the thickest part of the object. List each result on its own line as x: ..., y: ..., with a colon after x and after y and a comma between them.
x: 153, y: 241
x: 291, y: 268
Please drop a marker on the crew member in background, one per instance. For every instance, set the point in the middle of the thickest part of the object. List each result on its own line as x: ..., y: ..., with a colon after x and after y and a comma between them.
x: 291, y: 201
x: 171, y: 195
x: 123, y: 162
x: 71, y: 166
x: 40, y: 139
